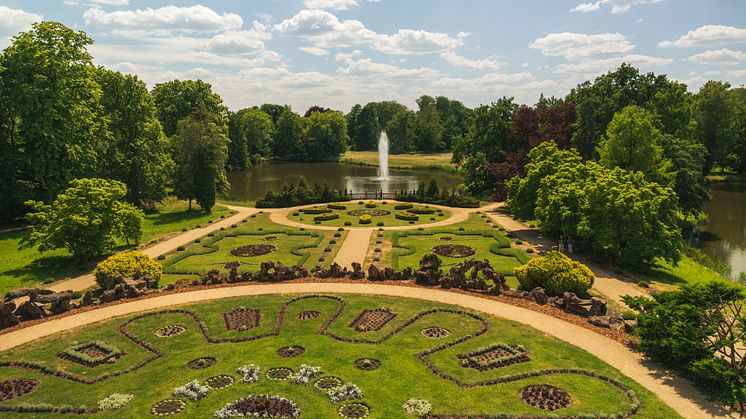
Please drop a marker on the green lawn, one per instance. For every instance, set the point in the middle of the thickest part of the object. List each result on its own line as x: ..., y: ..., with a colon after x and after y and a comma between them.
x: 431, y: 161
x: 401, y: 375
x: 388, y: 220
x: 687, y: 271
x: 29, y: 267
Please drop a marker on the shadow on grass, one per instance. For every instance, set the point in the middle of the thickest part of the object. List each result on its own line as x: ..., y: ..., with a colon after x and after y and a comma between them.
x: 48, y: 269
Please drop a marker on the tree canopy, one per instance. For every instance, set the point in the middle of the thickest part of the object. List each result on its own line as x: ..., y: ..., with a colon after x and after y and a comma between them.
x: 177, y: 99
x: 250, y: 131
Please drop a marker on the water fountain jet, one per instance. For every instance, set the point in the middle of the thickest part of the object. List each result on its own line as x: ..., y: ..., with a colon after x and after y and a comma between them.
x: 383, y: 156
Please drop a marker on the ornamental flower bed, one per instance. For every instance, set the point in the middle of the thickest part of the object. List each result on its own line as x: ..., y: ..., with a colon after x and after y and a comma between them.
x: 201, y: 363
x: 406, y: 217
x: 326, y: 217
x: 344, y: 392
x: 336, y: 207
x: 115, y: 401
x: 242, y: 318
x: 417, y: 407
x: 260, y: 406
x: 316, y: 210
x: 91, y: 354
x: 354, y: 411
x: 170, y: 331
x: 370, y: 204
x: 279, y: 374
x: 371, y: 212
x: 291, y: 351
x: 10, y: 389
x: 249, y: 373
x: 306, y: 374
x: 421, y: 210
x: 494, y: 356
x: 400, y: 207
x: 309, y: 314
x: 372, y: 320
x: 545, y: 397
x: 219, y: 381
x: 367, y: 364
x: 250, y: 250
x: 328, y: 382
x: 435, y: 332
x: 454, y: 250
x: 192, y: 390
x: 168, y: 407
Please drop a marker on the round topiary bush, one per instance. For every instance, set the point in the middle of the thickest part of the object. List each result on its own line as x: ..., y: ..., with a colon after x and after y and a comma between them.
x: 556, y: 273
x: 365, y: 219
x: 126, y: 264
x: 348, y: 223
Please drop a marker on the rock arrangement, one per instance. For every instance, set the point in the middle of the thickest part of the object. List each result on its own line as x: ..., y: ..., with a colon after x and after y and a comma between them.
x: 337, y: 271
x: 201, y: 363
x: 10, y: 389
x: 473, y: 275
x: 291, y: 351
x: 372, y: 320
x: 309, y: 314
x: 253, y: 250
x: 367, y: 364
x: 545, y: 397
x: 435, y: 332
x: 454, y: 250
x: 242, y: 318
x: 41, y: 303
x: 170, y: 331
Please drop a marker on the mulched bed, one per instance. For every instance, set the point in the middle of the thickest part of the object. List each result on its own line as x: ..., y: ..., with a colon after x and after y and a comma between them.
x: 454, y: 250
x: 10, y: 389
x: 219, y: 381
x: 371, y: 212
x: 242, y: 319
x: 90, y: 354
x: 264, y: 406
x: 168, y: 407
x: 170, y: 331
x: 291, y: 351
x: 354, y: 411
x: 372, y: 320
x: 201, y: 363
x: 494, y: 356
x: 435, y: 332
x: 309, y: 314
x: 545, y: 397
x: 328, y: 382
x: 279, y: 374
x: 253, y: 250
x: 232, y: 265
x: 270, y: 238
x: 446, y: 238
x: 367, y: 364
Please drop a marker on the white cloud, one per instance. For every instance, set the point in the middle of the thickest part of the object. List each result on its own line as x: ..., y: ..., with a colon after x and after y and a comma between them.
x: 341, y: 56
x: 617, y: 6
x: 579, y: 45
x: 459, y: 61
x: 326, y: 31
x: 15, y: 20
x: 319, y: 52
x: 332, y: 4
x: 367, y: 67
x: 240, y: 42
x: 719, y: 57
x: 708, y: 35
x: 98, y: 2
x: 164, y: 20
x: 597, y: 66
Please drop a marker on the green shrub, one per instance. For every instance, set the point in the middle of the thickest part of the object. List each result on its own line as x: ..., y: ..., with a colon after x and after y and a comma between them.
x: 316, y: 210
x: 406, y: 217
x: 644, y: 284
x: 365, y: 219
x: 327, y: 249
x: 379, y: 224
x: 421, y: 210
x: 370, y: 204
x: 76, y: 295
x: 126, y: 264
x: 519, y: 242
x: 629, y: 315
x: 348, y: 223
x: 530, y: 250
x: 403, y: 206
x: 336, y: 206
x: 325, y: 217
x: 296, y: 213
x: 340, y: 229
x: 556, y: 273
x: 180, y: 249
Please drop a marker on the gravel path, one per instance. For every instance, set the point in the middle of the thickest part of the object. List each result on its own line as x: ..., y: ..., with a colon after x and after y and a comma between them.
x: 354, y: 248
x: 674, y: 391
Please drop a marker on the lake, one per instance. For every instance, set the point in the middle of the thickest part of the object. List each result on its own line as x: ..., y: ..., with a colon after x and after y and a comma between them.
x: 724, y: 236
x: 254, y: 182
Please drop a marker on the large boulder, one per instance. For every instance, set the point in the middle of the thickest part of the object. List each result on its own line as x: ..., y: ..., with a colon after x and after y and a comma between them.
x: 31, y: 293
x: 571, y: 303
x: 7, y: 317
x: 539, y: 296
x: 30, y: 311
x: 598, y: 307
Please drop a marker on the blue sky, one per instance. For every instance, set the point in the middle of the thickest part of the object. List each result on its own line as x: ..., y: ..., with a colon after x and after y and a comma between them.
x: 336, y: 53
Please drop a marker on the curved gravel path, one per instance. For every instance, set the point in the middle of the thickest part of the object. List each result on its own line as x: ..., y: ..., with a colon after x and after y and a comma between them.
x: 674, y: 391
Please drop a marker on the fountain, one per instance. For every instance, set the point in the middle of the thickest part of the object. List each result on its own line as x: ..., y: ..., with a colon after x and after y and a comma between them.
x: 383, y: 156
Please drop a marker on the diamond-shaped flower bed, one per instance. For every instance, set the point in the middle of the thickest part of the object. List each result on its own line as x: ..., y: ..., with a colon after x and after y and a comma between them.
x: 291, y: 351
x: 167, y: 407
x: 170, y: 331
x: 279, y: 374
x: 545, y: 397
x: 10, y: 389
x: 367, y: 364
x: 242, y: 319
x: 219, y: 381
x: 494, y: 356
x: 372, y: 320
x: 308, y: 315
x: 91, y: 354
x: 201, y: 363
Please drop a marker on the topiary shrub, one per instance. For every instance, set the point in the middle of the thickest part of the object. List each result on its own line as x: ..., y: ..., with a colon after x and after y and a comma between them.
x: 379, y: 224
x: 326, y: 217
x: 126, y: 264
x: 406, y: 217
x: 365, y: 219
x: 370, y: 204
x: 556, y: 273
x: 336, y: 206
x: 348, y: 223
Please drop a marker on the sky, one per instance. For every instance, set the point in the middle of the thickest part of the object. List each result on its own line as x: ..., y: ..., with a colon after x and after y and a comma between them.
x: 336, y: 53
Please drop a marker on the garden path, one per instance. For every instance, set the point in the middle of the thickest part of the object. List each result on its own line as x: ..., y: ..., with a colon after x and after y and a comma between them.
x: 354, y: 248
x: 678, y: 393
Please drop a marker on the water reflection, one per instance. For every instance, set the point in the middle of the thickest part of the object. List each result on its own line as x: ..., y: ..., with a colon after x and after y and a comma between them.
x: 724, y: 237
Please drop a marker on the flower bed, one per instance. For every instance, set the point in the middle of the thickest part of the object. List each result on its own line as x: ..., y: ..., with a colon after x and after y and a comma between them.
x: 279, y: 374
x: 168, y: 407
x: 242, y: 318
x: 454, y: 250
x: 494, y: 356
x: 403, y: 207
x: 91, y: 354
x: 344, y: 392
x: 219, y: 381
x: 435, y: 332
x: 201, y: 363
x: 371, y: 212
x: 192, y: 390
x: 260, y: 406
x: 417, y: 407
x: 370, y: 204
x: 367, y: 364
x: 446, y: 238
x: 10, y: 389
x: 251, y: 250
x: 309, y: 314
x: 545, y: 397
x: 305, y: 374
x: 372, y: 320
x: 170, y: 331
x: 249, y: 373
x: 336, y: 207
x: 354, y: 411
x: 291, y: 351
x: 328, y: 382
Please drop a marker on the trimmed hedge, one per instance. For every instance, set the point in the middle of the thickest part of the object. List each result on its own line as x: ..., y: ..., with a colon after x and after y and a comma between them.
x: 312, y: 211
x: 326, y: 217
x: 126, y: 264
x: 420, y: 210
x: 403, y: 206
x: 336, y: 207
x: 406, y: 217
x: 365, y: 219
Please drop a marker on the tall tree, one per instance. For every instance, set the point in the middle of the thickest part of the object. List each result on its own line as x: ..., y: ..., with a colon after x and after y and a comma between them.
x: 177, y: 99
x: 139, y: 154
x: 289, y: 136
x: 455, y: 118
x: 428, y: 130
x: 201, y: 150
x: 250, y: 131
x: 632, y: 142
x: 367, y: 129
x: 400, y: 131
x: 489, y: 133
x: 274, y: 111
x: 53, y: 127
x: 736, y: 156
x: 325, y: 136
x: 714, y: 115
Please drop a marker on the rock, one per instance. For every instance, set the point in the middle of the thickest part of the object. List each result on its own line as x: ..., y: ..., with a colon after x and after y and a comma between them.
x: 7, y: 317
x: 112, y: 281
x: 357, y: 271
x: 571, y: 303
x: 87, y: 299
x: 598, y: 307
x: 607, y: 322
x: 630, y: 325
x: 539, y: 296
x: 183, y: 283
x: 214, y: 277
x: 276, y: 272
x: 30, y: 311
x: 32, y: 293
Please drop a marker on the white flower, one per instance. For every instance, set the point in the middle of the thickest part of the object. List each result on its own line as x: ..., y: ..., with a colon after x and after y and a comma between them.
x: 192, y: 390
x: 417, y: 407
x: 115, y: 401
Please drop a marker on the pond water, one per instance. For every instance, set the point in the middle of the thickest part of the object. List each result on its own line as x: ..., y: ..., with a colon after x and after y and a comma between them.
x: 254, y: 182
x: 724, y: 236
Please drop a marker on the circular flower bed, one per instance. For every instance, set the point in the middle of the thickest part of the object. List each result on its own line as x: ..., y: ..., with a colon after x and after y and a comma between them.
x: 10, y: 389
x: 545, y: 397
x: 328, y: 382
x: 291, y: 351
x: 354, y: 411
x: 232, y: 265
x: 170, y: 331
x: 435, y: 332
x: 279, y: 374
x: 219, y: 381
x: 168, y: 407
x: 367, y: 364
x: 253, y: 250
x: 371, y: 212
x: 454, y: 250
x: 201, y: 363
x: 260, y: 406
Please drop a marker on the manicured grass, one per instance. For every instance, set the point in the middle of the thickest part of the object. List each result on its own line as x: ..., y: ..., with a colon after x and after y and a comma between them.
x: 29, y: 268
x: 401, y: 376
x: 687, y: 271
x: 292, y: 247
x: 432, y: 161
x: 388, y: 220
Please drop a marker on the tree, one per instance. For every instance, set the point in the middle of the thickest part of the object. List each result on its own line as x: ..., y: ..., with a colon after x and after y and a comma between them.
x: 736, y: 154
x: 274, y: 111
x: 714, y: 115
x: 53, y: 129
x: 400, y: 131
x: 138, y: 154
x: 289, y: 136
x: 428, y: 131
x: 314, y: 109
x: 87, y: 219
x: 367, y: 129
x: 201, y: 150
x: 325, y: 136
x: 632, y: 142
x: 685, y: 160
x: 250, y: 131
x: 489, y: 132
x: 177, y: 99
x: 455, y: 118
